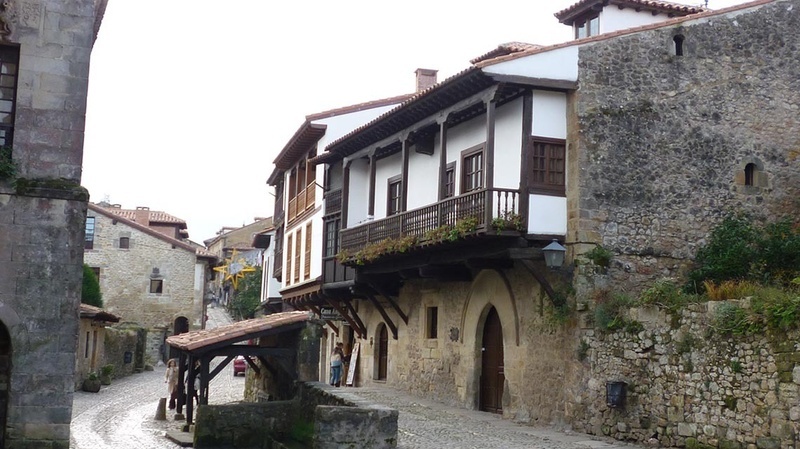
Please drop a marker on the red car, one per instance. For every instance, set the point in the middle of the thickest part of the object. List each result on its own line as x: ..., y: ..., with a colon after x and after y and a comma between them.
x: 239, y: 365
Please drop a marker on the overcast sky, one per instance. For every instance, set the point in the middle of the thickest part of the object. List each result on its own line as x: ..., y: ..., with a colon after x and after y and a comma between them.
x: 191, y: 100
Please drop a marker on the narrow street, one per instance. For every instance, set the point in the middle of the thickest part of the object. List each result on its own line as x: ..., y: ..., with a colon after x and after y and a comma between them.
x: 121, y: 416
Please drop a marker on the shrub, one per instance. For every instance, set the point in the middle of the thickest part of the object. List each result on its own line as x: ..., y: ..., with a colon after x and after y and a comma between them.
x: 247, y: 298
x: 90, y: 291
x: 599, y: 256
x: 732, y: 319
x: 611, y: 311
x: 731, y: 289
x: 727, y: 255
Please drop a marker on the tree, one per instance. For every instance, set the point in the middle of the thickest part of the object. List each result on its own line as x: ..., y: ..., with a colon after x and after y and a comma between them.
x: 90, y: 293
x: 248, y: 296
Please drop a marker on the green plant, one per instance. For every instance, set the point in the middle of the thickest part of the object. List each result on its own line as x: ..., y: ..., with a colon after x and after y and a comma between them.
x: 666, y: 294
x: 107, y: 370
x: 90, y: 291
x: 730, y: 402
x: 730, y: 289
x: 736, y: 366
x: 599, y: 256
x: 7, y: 167
x: 508, y: 221
x: 686, y: 345
x: 247, y: 297
x: 92, y: 376
x: 731, y: 319
x: 302, y: 431
x: 583, y: 350
x: 611, y: 311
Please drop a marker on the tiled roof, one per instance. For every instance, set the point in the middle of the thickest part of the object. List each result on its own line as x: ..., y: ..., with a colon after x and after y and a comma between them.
x: 236, y: 332
x: 569, y: 14
x: 97, y: 313
x: 504, y: 49
x: 155, y: 216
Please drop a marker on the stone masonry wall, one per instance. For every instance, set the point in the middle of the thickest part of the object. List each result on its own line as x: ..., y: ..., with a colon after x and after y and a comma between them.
x: 663, y: 140
x: 447, y: 369
x: 689, y: 386
x: 125, y: 280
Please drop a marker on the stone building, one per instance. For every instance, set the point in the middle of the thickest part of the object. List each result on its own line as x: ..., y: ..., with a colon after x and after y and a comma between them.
x: 148, y: 276
x: 45, y: 47
x: 91, y: 353
x: 640, y: 140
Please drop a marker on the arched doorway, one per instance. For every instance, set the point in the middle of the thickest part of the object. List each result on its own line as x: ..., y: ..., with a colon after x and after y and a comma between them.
x: 5, y: 377
x: 382, y: 354
x: 492, y: 375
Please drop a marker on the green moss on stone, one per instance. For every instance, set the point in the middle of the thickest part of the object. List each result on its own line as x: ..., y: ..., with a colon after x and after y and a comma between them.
x: 51, y: 188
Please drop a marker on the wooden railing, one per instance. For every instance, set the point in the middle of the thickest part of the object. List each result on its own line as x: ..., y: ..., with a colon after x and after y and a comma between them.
x: 301, y: 202
x: 481, y: 205
x: 333, y: 202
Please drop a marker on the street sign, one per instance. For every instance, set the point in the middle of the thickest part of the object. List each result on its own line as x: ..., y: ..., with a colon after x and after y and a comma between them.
x: 330, y: 314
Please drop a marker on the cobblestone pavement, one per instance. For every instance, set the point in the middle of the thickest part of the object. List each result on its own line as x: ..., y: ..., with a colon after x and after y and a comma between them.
x: 121, y: 416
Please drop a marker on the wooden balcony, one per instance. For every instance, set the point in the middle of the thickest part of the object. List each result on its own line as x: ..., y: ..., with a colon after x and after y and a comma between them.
x: 302, y: 202
x: 333, y: 202
x: 482, y: 206
x: 333, y: 272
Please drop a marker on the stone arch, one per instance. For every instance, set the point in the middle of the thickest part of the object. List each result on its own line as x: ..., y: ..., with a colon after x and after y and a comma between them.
x: 491, y: 287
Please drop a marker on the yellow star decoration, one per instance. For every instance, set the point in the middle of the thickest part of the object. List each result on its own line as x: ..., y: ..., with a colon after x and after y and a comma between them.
x: 234, y: 269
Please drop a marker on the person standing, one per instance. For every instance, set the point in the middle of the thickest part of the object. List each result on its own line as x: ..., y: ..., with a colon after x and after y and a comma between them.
x: 171, y: 378
x: 337, y: 358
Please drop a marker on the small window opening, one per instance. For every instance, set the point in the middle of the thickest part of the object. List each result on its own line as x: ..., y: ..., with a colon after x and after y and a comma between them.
x: 157, y: 286
x: 432, y: 322
x: 749, y: 174
x: 124, y: 242
x: 678, y: 40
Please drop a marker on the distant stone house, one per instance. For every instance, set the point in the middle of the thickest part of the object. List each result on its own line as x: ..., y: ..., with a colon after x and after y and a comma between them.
x: 45, y: 48
x: 91, y: 340
x: 148, y: 276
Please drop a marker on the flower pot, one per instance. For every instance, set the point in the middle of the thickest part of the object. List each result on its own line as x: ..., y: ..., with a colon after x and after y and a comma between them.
x: 91, y: 385
x: 105, y: 380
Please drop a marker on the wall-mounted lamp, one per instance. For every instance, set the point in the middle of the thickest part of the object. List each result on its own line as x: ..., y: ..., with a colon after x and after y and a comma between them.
x: 554, y: 254
x: 370, y: 341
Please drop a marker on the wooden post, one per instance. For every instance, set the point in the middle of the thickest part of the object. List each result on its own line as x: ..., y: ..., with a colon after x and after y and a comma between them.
x: 371, y: 205
x: 442, y: 161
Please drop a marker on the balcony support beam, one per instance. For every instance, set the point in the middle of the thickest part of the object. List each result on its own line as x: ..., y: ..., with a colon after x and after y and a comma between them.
x: 342, y: 311
x: 382, y: 311
x: 542, y: 280
x: 330, y: 324
x: 391, y: 300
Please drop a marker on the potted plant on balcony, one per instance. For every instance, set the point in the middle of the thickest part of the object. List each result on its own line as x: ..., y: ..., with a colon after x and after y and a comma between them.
x: 91, y: 383
x: 105, y: 374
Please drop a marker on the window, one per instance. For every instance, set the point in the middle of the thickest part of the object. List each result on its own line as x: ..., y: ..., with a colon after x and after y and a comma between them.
x: 450, y: 180
x: 678, y: 40
x: 9, y: 60
x: 394, y: 194
x: 432, y: 322
x: 124, y: 242
x: 89, y: 236
x: 472, y: 178
x: 297, y: 253
x: 589, y: 26
x: 307, y: 261
x: 86, y: 347
x: 332, y: 236
x: 157, y: 286
x: 546, y: 165
x: 749, y: 174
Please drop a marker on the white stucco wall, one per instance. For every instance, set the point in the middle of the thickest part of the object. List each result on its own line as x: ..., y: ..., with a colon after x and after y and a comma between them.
x: 341, y: 125
x: 359, y: 192
x: 558, y: 64
x: 613, y: 18
x: 547, y: 215
x: 423, y: 177
x: 549, y: 114
x: 508, y: 144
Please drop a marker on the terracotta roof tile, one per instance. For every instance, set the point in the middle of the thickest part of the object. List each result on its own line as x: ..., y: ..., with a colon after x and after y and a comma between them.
x: 235, y: 332
x: 97, y: 313
x: 569, y: 14
x: 504, y: 49
x: 155, y: 216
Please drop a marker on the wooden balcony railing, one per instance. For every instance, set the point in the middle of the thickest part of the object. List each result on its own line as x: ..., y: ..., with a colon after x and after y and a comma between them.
x: 333, y: 202
x: 481, y: 205
x: 301, y: 202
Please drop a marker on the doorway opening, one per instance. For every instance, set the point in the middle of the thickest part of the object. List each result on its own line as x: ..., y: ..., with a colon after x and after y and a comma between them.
x: 492, y: 370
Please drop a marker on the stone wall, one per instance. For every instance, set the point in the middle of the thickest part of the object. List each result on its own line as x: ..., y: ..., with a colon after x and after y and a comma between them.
x: 663, y: 140
x: 689, y: 386
x: 537, y: 350
x: 122, y: 339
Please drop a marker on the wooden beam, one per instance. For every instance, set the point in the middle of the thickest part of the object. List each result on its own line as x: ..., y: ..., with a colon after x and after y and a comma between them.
x: 558, y: 302
x: 491, y: 106
x: 342, y: 311
x: 371, y: 203
x: 442, y: 159
x: 330, y: 324
x: 363, y: 333
x: 446, y: 273
x: 527, y: 133
x: 345, y: 193
x: 252, y: 364
x: 391, y: 300
x: 490, y: 263
x: 386, y: 318
x: 404, y: 175
x: 220, y: 366
x: 538, y: 83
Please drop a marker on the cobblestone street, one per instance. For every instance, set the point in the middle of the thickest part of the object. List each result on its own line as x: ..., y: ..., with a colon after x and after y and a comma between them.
x: 121, y: 416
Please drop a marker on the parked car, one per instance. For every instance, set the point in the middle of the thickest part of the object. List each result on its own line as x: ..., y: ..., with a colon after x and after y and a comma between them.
x: 239, y: 365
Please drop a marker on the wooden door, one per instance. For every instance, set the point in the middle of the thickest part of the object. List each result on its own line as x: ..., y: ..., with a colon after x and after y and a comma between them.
x: 492, y: 375
x: 383, y: 352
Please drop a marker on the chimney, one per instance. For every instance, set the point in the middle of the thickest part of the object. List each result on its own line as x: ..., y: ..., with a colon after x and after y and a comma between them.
x: 425, y: 78
x: 142, y: 215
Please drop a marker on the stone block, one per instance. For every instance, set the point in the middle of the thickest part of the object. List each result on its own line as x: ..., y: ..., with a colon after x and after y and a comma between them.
x: 687, y: 429
x: 768, y: 443
x: 355, y: 427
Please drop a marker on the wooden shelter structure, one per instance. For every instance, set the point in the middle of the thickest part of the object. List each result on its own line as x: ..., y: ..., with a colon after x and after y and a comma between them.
x: 198, y: 348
